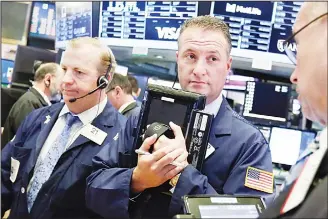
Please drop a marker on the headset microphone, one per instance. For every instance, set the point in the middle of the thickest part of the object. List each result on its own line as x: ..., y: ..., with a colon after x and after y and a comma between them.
x: 91, y: 92
x: 102, y: 83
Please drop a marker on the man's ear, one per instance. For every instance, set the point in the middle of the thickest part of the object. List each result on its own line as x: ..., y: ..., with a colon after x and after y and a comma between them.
x: 138, y: 92
x: 177, y: 55
x: 118, y: 90
x: 229, y: 63
x: 47, y: 79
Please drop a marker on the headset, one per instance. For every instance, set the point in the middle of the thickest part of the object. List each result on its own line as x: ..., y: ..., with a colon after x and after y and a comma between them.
x: 102, y: 83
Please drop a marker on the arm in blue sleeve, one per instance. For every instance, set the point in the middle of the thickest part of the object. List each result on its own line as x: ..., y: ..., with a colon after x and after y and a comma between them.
x: 108, y: 187
x: 6, y: 154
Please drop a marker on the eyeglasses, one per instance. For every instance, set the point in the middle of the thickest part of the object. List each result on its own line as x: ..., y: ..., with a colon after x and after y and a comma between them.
x: 289, y: 43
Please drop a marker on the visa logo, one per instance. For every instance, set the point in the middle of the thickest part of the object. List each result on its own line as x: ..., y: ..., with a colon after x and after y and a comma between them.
x: 168, y: 33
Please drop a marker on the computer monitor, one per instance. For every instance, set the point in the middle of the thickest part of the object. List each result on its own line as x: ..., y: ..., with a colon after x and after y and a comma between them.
x: 7, y: 67
x: 266, y: 132
x: 24, y: 61
x: 287, y: 145
x: 266, y: 103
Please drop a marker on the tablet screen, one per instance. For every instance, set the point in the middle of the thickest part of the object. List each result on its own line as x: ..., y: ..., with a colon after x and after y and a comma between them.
x: 223, y: 206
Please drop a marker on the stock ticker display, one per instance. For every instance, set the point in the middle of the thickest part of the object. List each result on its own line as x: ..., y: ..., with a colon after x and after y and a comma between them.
x: 260, y: 26
x: 73, y: 19
x: 151, y: 20
x: 43, y: 20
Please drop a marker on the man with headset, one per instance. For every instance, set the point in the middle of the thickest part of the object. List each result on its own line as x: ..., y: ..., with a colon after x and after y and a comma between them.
x: 44, y: 168
x: 304, y: 193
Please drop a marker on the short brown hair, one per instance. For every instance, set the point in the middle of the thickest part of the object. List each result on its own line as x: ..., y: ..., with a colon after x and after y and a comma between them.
x: 107, y: 56
x: 208, y: 22
x: 44, y: 69
x: 134, y: 83
x: 121, y: 81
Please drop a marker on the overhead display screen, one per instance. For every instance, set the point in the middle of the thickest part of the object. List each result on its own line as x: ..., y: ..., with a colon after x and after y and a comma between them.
x: 43, y: 21
x: 254, y: 25
x: 73, y: 19
x: 152, y: 20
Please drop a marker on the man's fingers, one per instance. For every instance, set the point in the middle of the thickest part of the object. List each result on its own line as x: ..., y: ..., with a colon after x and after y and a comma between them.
x: 148, y: 142
x: 169, y: 157
x: 160, y: 143
x: 172, y: 173
x: 176, y: 130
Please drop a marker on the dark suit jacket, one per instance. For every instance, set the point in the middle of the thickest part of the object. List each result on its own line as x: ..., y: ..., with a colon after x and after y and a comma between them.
x: 131, y: 110
x: 30, y: 101
x: 62, y: 195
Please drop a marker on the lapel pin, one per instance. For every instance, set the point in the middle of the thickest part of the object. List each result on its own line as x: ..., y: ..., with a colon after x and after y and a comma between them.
x: 47, y: 119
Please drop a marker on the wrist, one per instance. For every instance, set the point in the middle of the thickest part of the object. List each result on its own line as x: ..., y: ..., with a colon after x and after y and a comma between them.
x: 136, y: 184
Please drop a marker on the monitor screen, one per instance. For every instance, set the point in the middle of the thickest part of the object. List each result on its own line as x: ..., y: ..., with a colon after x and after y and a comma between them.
x: 7, y: 67
x: 73, y: 19
x: 257, y: 25
x: 266, y: 132
x: 161, y: 111
x: 266, y: 103
x: 43, y: 21
x: 287, y: 145
x: 24, y: 63
x: 132, y: 22
x: 237, y: 82
x: 14, y: 21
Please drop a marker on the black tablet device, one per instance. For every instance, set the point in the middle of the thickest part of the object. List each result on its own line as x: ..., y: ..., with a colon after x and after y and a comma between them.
x: 223, y: 206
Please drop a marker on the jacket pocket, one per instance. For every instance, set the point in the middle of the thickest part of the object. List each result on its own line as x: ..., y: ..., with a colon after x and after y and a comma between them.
x: 19, y: 160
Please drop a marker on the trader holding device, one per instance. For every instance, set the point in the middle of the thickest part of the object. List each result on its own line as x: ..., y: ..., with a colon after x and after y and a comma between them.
x: 238, y: 159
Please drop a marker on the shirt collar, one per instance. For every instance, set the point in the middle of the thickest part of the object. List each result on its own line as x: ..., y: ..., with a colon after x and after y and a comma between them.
x: 43, y: 95
x: 89, y: 115
x: 125, y: 105
x: 214, y: 106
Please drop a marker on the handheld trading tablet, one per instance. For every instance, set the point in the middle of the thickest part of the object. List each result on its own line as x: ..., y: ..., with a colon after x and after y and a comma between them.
x: 223, y: 206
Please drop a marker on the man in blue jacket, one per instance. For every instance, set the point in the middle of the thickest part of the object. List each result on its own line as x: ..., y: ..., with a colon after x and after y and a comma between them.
x: 236, y: 155
x: 44, y: 167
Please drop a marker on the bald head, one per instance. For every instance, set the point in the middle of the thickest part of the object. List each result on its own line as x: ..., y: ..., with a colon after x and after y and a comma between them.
x: 310, y: 74
x: 308, y: 12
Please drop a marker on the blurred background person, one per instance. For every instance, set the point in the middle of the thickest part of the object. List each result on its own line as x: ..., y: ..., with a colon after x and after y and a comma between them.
x: 119, y: 93
x: 136, y: 90
x: 46, y: 87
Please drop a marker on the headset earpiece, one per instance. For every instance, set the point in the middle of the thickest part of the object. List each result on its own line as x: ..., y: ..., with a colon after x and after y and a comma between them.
x: 103, y: 81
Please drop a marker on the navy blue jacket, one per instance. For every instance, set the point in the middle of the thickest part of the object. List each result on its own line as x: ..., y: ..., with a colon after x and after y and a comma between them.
x: 63, y: 195
x: 238, y: 145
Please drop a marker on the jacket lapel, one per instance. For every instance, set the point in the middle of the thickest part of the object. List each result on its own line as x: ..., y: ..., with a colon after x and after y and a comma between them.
x: 103, y: 121
x: 47, y: 122
x: 222, y: 123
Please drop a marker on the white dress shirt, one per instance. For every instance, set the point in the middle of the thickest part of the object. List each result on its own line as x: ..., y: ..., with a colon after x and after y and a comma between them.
x: 43, y: 95
x: 86, y: 118
x: 214, y: 106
